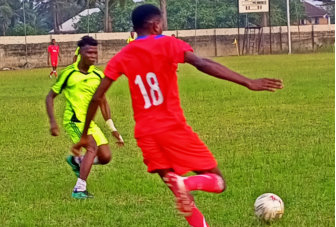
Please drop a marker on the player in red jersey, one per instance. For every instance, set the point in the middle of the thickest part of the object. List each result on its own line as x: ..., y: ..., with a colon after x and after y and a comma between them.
x: 170, y: 147
x: 53, y: 54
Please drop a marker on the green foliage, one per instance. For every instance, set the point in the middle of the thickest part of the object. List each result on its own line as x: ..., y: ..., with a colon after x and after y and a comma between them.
x: 120, y: 12
x: 18, y: 30
x: 95, y: 23
x: 210, y: 14
x: 9, y: 12
x: 122, y: 16
x: 279, y: 13
x: 55, y: 12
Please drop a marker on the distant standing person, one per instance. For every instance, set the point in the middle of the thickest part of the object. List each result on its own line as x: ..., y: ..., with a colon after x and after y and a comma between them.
x: 131, y: 38
x: 53, y: 54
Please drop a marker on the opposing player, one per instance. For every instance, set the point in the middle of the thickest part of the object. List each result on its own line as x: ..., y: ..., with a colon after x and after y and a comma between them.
x: 53, y: 54
x: 79, y: 82
x: 169, y: 146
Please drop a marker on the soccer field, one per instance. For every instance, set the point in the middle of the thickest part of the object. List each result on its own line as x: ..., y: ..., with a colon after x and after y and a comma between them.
x: 280, y: 142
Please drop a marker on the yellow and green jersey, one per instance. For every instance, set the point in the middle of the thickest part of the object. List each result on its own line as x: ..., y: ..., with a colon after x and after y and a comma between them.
x: 78, y: 89
x: 77, y: 54
x: 130, y: 39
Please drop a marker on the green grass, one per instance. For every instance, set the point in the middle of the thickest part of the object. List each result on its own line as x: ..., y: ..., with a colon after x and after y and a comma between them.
x: 280, y: 142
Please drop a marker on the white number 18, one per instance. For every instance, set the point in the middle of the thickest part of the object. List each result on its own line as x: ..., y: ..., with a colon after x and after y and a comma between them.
x: 155, y: 91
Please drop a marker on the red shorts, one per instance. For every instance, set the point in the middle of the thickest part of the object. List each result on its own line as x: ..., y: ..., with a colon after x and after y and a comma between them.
x: 54, y: 62
x: 178, y: 149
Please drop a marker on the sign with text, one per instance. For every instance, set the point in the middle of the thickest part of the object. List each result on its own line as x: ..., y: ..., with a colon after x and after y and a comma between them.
x: 253, y: 6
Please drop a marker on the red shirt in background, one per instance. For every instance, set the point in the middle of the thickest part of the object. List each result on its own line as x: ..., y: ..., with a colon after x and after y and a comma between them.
x: 53, y: 50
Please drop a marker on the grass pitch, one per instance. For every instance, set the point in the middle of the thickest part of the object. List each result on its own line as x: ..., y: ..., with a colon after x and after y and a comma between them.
x: 279, y: 142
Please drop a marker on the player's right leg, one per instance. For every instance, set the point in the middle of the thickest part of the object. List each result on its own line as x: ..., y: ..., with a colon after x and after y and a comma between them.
x: 51, y: 73
x: 188, y: 153
x: 103, y: 155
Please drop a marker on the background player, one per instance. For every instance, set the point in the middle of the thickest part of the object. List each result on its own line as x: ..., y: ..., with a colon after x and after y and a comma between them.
x: 53, y: 54
x: 79, y: 82
x: 169, y: 146
x: 131, y: 38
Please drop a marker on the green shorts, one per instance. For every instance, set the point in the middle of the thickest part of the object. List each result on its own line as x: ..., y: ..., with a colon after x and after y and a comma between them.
x: 75, y: 129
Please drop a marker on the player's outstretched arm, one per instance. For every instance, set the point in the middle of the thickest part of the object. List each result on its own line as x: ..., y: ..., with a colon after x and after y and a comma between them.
x: 217, y: 70
x: 92, y: 109
x: 54, y: 130
x: 106, y: 112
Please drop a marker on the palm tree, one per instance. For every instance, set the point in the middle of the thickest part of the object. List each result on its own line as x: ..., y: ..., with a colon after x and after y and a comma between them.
x: 104, y: 6
x: 6, y: 14
x: 57, y: 11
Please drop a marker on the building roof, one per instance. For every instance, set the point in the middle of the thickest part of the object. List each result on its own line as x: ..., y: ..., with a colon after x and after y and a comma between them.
x: 69, y: 25
x: 313, y: 10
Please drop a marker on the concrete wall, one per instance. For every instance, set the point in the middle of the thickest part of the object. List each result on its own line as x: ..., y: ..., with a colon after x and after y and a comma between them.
x: 207, y: 43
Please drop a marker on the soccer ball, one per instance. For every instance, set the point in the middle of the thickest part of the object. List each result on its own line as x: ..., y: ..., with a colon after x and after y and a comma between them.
x: 269, y: 207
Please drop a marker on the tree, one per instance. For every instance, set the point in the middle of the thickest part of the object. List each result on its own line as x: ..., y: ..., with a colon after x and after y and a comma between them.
x: 6, y: 14
x: 163, y: 7
x: 95, y: 23
x: 121, y: 15
x: 57, y: 11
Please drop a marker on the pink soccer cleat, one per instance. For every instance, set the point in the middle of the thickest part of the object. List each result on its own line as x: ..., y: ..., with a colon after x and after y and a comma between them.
x: 184, y: 200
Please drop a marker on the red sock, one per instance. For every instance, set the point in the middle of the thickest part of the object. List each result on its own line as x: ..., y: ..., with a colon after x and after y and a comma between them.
x: 208, y: 182
x: 196, y: 219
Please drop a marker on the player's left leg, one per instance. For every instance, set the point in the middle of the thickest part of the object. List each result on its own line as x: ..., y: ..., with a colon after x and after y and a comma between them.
x: 55, y: 69
x: 206, y: 180
x: 80, y: 191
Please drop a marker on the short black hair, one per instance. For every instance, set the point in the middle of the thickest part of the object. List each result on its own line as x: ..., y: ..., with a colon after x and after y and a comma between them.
x: 143, y: 13
x: 87, y: 40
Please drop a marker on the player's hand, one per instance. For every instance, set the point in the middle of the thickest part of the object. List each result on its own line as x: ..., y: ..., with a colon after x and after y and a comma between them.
x: 54, y: 130
x: 120, y: 141
x: 76, y: 149
x: 265, y: 84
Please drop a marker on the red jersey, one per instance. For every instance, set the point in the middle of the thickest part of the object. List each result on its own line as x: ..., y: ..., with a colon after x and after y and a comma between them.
x: 53, y: 50
x: 150, y: 65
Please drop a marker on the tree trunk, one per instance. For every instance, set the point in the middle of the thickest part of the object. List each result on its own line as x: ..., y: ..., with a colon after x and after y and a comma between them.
x: 264, y: 20
x: 163, y: 7
x: 107, y: 20
x: 4, y: 29
x: 55, y: 17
